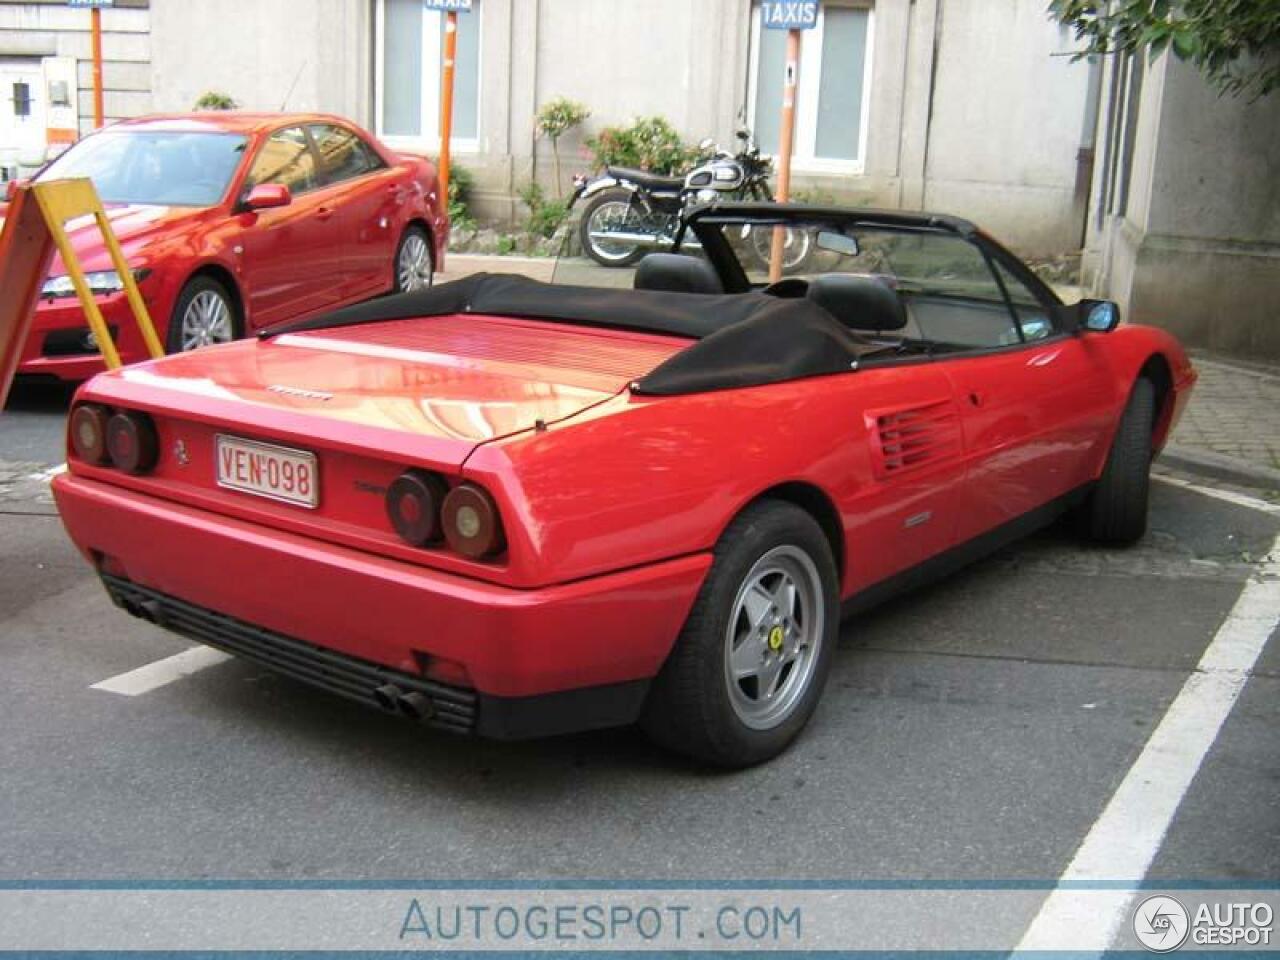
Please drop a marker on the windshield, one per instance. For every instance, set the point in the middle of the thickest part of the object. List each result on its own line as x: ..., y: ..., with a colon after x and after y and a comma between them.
x: 161, y: 167
x: 952, y: 293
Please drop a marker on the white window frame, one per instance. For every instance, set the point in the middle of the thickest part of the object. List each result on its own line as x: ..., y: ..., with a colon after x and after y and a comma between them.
x: 432, y: 27
x: 808, y: 91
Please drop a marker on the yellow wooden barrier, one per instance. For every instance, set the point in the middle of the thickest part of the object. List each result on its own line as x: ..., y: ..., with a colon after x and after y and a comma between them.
x: 63, y: 200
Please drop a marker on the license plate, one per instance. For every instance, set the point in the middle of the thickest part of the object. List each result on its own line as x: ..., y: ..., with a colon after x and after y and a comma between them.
x: 267, y: 470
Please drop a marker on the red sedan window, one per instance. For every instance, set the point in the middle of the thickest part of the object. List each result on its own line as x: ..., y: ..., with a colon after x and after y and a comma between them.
x: 173, y: 167
x: 343, y: 155
x: 285, y: 158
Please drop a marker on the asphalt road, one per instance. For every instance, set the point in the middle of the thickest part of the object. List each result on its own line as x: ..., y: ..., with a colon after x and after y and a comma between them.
x: 974, y: 730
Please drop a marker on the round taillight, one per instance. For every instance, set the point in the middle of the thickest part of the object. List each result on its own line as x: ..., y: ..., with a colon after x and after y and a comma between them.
x: 413, y: 506
x: 131, y: 441
x: 89, y: 432
x: 471, y: 521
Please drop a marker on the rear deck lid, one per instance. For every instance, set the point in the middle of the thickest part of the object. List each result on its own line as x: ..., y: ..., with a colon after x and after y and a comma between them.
x: 421, y: 389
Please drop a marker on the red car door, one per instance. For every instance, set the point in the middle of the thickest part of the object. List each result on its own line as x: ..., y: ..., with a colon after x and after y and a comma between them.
x: 1034, y: 405
x: 289, y: 254
x: 370, y: 200
x: 912, y: 430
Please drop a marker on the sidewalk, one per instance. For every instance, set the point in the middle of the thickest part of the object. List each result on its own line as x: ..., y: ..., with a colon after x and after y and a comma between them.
x: 1231, y: 428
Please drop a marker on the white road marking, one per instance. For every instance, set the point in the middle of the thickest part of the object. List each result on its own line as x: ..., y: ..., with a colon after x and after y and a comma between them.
x: 45, y: 476
x: 1230, y: 496
x: 157, y: 674
x: 1123, y: 841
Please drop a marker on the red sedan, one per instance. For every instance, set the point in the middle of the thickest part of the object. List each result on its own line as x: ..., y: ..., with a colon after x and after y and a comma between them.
x: 517, y: 509
x: 232, y: 222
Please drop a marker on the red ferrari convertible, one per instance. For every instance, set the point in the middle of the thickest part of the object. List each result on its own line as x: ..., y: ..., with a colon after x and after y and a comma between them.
x: 516, y: 509
x: 232, y: 222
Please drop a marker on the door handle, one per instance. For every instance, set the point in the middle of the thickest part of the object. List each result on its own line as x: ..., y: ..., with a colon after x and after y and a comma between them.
x: 976, y: 399
x: 324, y: 213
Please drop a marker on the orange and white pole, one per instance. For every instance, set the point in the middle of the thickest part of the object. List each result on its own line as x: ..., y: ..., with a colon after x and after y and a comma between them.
x: 95, y: 16
x: 786, y: 142
x: 446, y: 99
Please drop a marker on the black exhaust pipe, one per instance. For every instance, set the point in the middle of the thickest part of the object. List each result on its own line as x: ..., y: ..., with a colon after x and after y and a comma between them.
x: 416, y: 706
x: 387, y: 696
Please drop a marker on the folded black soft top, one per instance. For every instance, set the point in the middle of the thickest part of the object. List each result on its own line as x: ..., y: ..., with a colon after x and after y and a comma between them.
x: 742, y: 339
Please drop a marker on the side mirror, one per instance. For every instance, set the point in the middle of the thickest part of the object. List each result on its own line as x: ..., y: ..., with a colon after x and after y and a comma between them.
x: 267, y: 195
x: 1096, y: 316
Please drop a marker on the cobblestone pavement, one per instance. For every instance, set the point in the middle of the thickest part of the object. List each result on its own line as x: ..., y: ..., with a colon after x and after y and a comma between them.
x: 1234, y: 413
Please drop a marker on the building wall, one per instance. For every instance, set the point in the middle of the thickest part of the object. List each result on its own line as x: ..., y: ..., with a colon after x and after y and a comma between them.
x: 49, y: 28
x: 1007, y: 123
x: 1195, y: 247
x: 973, y: 109
x: 969, y: 110
x: 304, y: 55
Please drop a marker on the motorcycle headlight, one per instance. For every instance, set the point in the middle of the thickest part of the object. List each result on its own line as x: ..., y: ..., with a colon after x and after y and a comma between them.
x: 100, y: 281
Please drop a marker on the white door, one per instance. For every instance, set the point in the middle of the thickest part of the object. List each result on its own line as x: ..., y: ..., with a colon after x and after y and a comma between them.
x: 22, y: 114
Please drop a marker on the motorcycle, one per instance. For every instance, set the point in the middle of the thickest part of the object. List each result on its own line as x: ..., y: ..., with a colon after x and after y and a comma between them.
x: 630, y: 211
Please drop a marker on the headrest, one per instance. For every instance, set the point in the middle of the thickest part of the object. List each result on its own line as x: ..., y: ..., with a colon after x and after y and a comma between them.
x: 677, y: 273
x: 860, y: 303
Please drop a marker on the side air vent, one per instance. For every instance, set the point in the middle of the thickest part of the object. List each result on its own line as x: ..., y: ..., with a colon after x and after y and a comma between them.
x: 915, y: 436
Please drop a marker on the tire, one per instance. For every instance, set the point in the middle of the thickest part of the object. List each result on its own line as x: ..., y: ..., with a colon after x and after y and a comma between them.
x: 1116, y: 509
x: 413, y: 252
x: 695, y: 707
x: 205, y: 314
x: 613, y: 255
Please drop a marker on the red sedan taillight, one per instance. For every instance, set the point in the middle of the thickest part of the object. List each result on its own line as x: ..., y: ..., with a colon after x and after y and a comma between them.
x: 131, y: 441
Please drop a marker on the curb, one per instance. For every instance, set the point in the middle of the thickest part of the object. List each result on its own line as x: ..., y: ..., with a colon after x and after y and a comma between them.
x: 513, y: 259
x: 1219, y: 467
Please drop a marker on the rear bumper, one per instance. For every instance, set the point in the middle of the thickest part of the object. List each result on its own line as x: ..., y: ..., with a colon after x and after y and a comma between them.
x: 569, y: 640
x: 440, y: 705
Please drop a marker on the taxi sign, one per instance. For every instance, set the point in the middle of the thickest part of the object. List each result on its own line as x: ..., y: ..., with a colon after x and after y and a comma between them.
x: 789, y: 14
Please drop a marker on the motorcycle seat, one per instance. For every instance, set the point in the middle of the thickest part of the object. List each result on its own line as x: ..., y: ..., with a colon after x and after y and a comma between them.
x: 643, y: 178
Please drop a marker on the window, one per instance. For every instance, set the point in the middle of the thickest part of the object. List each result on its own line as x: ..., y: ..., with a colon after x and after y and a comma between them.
x: 1033, y: 317
x: 945, y: 281
x: 285, y: 158
x: 409, y: 52
x: 171, y: 167
x: 22, y: 100
x: 343, y: 155
x: 832, y: 93
x: 956, y: 299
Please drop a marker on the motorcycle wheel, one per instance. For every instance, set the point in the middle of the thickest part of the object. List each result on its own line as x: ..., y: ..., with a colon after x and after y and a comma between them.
x: 611, y: 206
x: 795, y: 247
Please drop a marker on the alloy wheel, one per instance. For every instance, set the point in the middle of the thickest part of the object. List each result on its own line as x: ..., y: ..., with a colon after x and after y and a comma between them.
x: 773, y: 638
x: 207, y: 320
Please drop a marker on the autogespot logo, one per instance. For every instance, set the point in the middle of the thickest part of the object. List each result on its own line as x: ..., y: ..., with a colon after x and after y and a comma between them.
x: 1161, y: 924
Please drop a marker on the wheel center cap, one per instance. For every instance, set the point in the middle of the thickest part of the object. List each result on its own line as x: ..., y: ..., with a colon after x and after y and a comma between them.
x: 775, y: 639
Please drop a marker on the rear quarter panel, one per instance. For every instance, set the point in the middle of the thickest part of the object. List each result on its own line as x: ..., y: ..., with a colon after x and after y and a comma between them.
x: 638, y: 479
